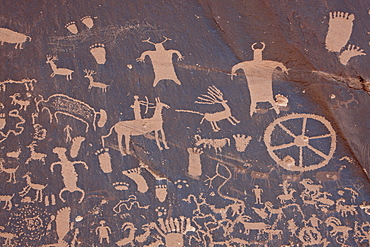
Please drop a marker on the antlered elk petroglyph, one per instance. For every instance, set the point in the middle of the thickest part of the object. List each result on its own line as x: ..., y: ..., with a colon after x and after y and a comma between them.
x: 137, y: 127
x: 58, y: 71
x: 216, y: 144
x: 63, y: 104
x: 340, y: 30
x: 10, y: 171
x: 12, y: 37
x: 259, y: 76
x: 93, y: 83
x: 70, y: 177
x: 38, y: 187
x: 162, y: 62
x: 214, y: 96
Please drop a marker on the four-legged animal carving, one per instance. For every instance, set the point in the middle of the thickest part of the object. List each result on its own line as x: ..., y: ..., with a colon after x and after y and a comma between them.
x: 58, y: 71
x: 69, y: 174
x: 8, y: 201
x: 10, y: 171
x: 38, y: 187
x: 140, y: 127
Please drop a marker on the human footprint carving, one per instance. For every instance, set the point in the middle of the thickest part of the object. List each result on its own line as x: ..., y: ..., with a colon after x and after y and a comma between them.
x: 88, y: 21
x: 195, y: 165
x: 161, y: 192
x: 104, y: 160
x: 241, y: 142
x: 135, y: 174
x: 349, y: 52
x: 76, y: 145
x: 71, y: 26
x: 340, y: 30
x: 99, y: 53
x: 120, y: 186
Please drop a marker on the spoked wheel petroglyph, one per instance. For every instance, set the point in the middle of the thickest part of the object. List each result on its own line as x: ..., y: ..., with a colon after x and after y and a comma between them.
x: 299, y: 154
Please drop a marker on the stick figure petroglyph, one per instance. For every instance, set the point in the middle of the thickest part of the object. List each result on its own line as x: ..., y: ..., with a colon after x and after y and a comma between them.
x: 162, y: 62
x: 68, y: 130
x: 259, y: 76
x: 70, y: 177
x: 257, y: 193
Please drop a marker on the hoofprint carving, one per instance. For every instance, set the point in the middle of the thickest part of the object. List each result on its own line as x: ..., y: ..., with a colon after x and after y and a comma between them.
x: 58, y: 71
x: 13, y: 37
x: 38, y: 187
x: 137, y: 127
x: 17, y: 101
x: 63, y: 104
x: 259, y: 76
x: 70, y: 177
x: 214, y: 96
x: 340, y: 30
x: 162, y: 62
x: 93, y: 83
x: 301, y: 140
x: 28, y: 83
x: 10, y: 171
x: 216, y: 144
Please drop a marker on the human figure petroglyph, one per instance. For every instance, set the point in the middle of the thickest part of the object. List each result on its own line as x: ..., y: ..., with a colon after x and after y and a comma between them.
x: 8, y: 201
x: 259, y: 76
x: 128, y: 203
x: 63, y: 104
x: 99, y: 53
x: 340, y: 30
x: 214, y: 96
x: 288, y: 193
x: 10, y: 171
x: 8, y: 236
x: 162, y: 62
x: 67, y: 130
x: 257, y: 193
x: 38, y: 187
x: 28, y: 83
x: 13, y: 37
x: 76, y: 146
x: 329, y: 176
x: 62, y: 225
x: 130, y: 128
x: 340, y: 232
x: 241, y: 142
x: 17, y: 101
x: 135, y: 175
x: 93, y: 83
x: 71, y: 26
x: 103, y: 232
x: 34, y: 155
x: 216, y: 144
x: 195, y: 165
x: 70, y: 177
x: 58, y: 71
x: 350, y: 52
x: 136, y: 106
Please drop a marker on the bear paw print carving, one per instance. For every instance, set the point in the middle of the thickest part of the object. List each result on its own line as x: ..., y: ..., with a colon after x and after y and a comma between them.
x: 120, y: 185
x: 161, y: 211
x: 181, y: 184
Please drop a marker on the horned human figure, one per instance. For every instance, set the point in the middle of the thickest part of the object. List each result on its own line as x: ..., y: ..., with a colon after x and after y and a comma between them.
x: 162, y: 62
x: 259, y: 76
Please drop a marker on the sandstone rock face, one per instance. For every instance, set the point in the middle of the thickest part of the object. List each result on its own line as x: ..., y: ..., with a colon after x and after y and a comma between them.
x: 184, y: 123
